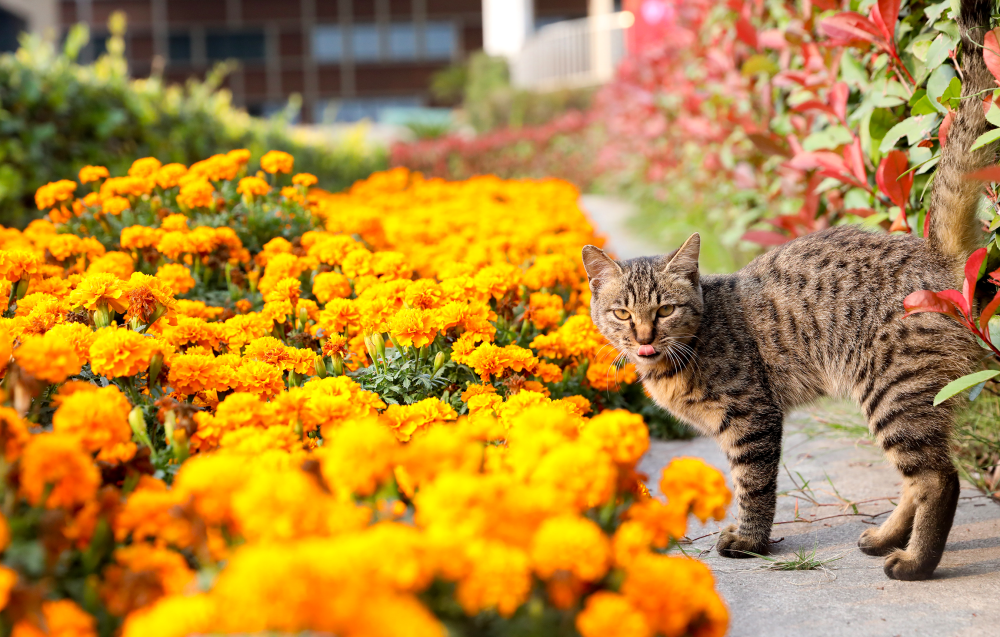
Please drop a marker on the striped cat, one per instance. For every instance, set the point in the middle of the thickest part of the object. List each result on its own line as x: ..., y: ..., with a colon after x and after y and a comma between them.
x: 731, y: 354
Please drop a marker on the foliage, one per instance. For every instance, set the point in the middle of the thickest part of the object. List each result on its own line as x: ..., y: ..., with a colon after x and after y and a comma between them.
x: 237, y: 405
x: 57, y: 116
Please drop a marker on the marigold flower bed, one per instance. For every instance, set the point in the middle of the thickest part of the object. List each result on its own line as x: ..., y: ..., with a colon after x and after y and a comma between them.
x: 234, y: 404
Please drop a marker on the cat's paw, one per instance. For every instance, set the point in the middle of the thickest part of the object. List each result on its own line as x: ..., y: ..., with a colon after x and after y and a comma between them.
x: 874, y: 542
x: 902, y: 565
x: 732, y: 544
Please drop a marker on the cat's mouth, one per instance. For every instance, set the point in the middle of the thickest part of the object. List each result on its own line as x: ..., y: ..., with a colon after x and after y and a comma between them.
x: 647, y: 351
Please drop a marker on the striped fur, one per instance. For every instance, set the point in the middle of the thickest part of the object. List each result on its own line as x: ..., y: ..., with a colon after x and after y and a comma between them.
x: 818, y: 316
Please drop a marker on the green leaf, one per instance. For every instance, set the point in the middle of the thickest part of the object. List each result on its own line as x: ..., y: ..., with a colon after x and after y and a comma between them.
x: 911, y: 127
x: 993, y: 115
x: 952, y: 96
x: 938, y: 51
x: 986, y: 138
x: 965, y: 382
x: 938, y: 83
x: 827, y: 139
x: 923, y: 107
x: 759, y: 64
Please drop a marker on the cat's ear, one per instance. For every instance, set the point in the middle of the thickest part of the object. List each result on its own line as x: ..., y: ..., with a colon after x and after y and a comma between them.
x: 684, y: 260
x: 600, y: 267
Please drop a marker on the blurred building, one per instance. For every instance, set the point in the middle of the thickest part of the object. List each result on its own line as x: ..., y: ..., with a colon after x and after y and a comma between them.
x: 347, y: 59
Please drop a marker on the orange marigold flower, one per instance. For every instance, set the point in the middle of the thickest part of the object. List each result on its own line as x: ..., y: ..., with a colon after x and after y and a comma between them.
x: 17, y: 264
x: 276, y: 161
x: 405, y: 420
x: 139, y: 237
x: 621, y: 433
x: 253, y: 186
x: 176, y: 276
x: 119, y: 352
x: 141, y: 575
x: 607, y: 613
x: 98, y: 419
x: 100, y: 290
x: 239, y: 155
x: 119, y: 264
x: 685, y: 601
x: 331, y: 285
x: 500, y: 578
x: 196, y: 194
x: 114, y: 205
x: 258, y: 378
x: 545, y: 310
x: 572, y: 544
x: 304, y: 179
x: 149, y: 298
x: 193, y: 373
x: 358, y: 457
x: 49, y: 357
x: 169, y: 175
x: 61, y: 618
x: 692, y: 485
x: 8, y: 578
x: 145, y: 167
x: 93, y: 173
x: 58, y: 460
x: 413, y: 328
x: 54, y: 193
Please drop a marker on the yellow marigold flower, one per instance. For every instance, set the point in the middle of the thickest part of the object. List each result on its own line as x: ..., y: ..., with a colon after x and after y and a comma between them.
x: 174, y: 616
x: 176, y: 276
x: 58, y: 460
x: 413, y: 328
x: 196, y: 194
x: 169, y: 175
x: 570, y: 544
x: 50, y: 357
x: 93, y: 173
x: 359, y: 457
x: 304, y: 179
x: 661, y: 521
x: 139, y: 237
x: 100, y: 290
x: 119, y: 352
x: 142, y: 574
x: 632, y: 538
x: 174, y: 244
x: 17, y: 264
x: 685, y: 601
x: 585, y: 476
x: 258, y: 378
x: 689, y: 483
x: 114, y: 205
x: 240, y: 330
x: 8, y: 578
x: 545, y: 310
x: 117, y: 263
x: 338, y: 315
x: 128, y: 186
x: 276, y: 161
x: 331, y: 285
x: 145, y: 167
x: 62, y: 618
x: 621, y: 433
x: 269, y: 350
x: 77, y: 335
x: 149, y: 298
x: 253, y: 186
x: 607, y: 613
x: 54, y: 193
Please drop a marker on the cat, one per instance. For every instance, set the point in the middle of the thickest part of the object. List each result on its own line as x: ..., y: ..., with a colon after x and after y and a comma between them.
x: 820, y: 315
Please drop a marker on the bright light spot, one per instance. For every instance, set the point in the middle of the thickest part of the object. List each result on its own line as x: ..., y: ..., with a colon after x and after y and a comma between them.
x: 626, y: 19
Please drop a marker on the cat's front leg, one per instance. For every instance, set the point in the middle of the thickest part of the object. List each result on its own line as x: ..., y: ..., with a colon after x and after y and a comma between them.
x: 751, y: 438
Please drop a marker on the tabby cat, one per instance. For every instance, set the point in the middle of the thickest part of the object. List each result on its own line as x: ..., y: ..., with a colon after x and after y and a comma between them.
x: 731, y: 354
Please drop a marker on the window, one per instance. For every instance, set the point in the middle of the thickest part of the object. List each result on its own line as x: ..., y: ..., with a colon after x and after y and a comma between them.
x: 180, y: 47
x: 439, y: 38
x: 242, y: 45
x: 358, y: 108
x: 328, y: 44
x: 364, y: 42
x: 402, y: 41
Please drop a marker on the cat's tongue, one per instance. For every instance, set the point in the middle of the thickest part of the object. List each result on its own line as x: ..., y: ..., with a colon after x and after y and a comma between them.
x: 646, y: 350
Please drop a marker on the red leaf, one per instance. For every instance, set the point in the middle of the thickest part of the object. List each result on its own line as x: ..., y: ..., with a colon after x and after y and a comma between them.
x: 851, y: 29
x: 986, y: 174
x: 972, y: 267
x: 991, y: 54
x: 927, y: 301
x: 987, y: 314
x: 956, y: 299
x: 900, y: 223
x: 949, y: 117
x: 765, y: 237
x: 839, y: 93
x: 987, y: 103
x: 884, y: 14
x: 896, y: 188
x: 815, y: 105
x: 927, y: 225
x: 855, y: 159
x: 746, y: 33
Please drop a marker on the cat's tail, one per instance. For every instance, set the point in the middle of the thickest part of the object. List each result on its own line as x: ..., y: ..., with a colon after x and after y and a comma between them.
x: 954, y: 226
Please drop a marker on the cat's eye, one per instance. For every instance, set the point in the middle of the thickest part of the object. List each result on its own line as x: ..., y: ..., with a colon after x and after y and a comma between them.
x: 665, y: 310
x: 621, y: 315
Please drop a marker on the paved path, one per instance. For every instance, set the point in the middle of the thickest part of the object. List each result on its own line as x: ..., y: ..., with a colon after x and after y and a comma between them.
x: 828, y: 446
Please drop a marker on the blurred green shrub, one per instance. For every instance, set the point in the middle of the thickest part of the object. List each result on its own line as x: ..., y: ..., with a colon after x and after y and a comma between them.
x: 57, y: 116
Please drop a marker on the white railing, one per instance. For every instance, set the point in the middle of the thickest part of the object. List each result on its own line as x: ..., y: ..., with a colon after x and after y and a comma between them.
x: 572, y: 53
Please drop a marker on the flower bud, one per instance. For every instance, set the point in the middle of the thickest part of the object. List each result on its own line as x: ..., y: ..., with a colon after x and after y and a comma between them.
x: 370, y: 347
x: 319, y: 364
x: 337, y: 362
x: 379, y: 344
x: 102, y: 316
x: 22, y: 286
x: 155, y: 366
x: 137, y: 421
x: 439, y: 362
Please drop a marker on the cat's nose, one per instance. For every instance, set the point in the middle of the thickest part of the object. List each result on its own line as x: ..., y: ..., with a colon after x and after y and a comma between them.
x: 644, y: 334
